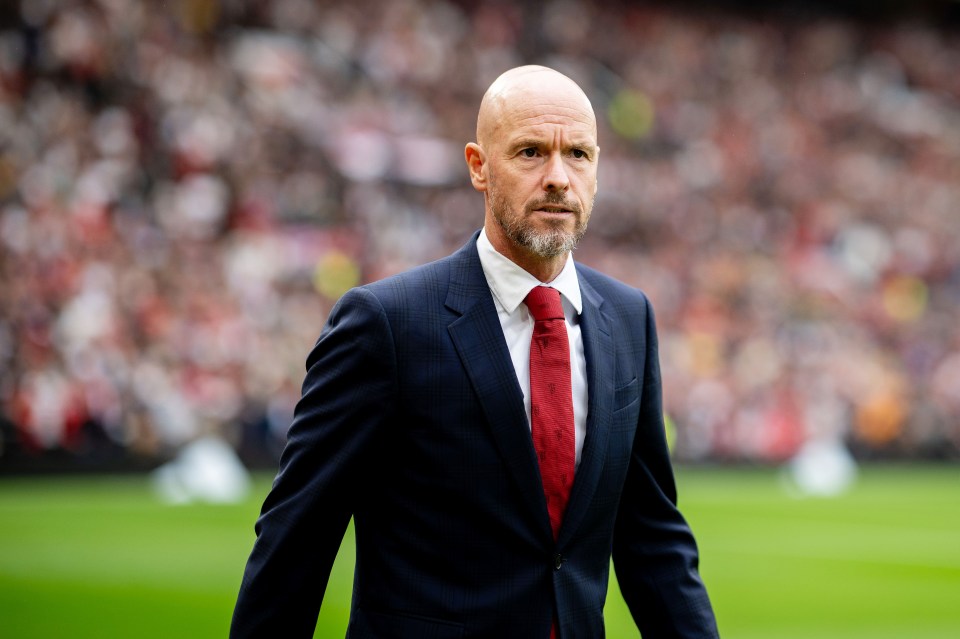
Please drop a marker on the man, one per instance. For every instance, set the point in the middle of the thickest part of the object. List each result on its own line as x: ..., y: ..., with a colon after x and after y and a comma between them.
x: 495, y: 440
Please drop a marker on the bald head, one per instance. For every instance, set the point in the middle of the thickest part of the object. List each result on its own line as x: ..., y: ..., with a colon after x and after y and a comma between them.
x: 535, y: 161
x: 523, y: 91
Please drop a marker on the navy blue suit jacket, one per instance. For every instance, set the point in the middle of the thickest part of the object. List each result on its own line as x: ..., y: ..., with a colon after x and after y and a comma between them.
x: 412, y: 422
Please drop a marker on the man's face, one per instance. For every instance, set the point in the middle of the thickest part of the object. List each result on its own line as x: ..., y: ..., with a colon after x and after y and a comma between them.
x: 542, y: 171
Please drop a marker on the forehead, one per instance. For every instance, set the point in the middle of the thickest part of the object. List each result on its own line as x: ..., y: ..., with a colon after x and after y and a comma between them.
x: 545, y: 111
x: 549, y: 119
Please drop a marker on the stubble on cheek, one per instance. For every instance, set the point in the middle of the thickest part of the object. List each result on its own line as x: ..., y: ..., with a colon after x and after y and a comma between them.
x: 521, y: 228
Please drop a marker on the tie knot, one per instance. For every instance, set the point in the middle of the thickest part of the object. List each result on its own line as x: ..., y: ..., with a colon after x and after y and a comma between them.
x: 544, y: 303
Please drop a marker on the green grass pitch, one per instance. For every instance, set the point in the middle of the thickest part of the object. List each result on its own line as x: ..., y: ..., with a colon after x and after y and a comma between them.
x: 101, y: 557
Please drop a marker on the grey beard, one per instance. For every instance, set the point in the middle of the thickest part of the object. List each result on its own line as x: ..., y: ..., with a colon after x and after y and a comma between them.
x: 547, y: 244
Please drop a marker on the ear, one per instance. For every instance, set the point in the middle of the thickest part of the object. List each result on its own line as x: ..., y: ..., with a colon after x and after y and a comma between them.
x: 476, y: 164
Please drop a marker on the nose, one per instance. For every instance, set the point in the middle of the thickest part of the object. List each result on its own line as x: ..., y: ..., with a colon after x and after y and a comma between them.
x: 555, y: 176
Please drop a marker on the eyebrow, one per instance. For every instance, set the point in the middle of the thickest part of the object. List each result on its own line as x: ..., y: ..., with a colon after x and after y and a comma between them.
x: 524, y: 143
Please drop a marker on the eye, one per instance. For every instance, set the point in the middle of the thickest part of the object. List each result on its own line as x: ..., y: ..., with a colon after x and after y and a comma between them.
x: 579, y: 153
x: 529, y: 152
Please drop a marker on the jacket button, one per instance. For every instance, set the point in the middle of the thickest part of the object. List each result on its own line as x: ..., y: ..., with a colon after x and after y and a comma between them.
x: 558, y: 561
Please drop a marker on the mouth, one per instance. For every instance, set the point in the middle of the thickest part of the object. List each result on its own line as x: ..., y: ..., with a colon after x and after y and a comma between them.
x: 553, y: 209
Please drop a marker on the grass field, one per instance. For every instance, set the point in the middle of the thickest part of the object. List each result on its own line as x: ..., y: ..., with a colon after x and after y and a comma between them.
x: 101, y: 557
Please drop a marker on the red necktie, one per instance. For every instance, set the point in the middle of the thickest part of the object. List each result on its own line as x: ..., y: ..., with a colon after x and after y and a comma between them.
x: 551, y: 400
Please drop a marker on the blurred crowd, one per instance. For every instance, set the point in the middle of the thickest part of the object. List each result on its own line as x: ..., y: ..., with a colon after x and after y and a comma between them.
x: 187, y: 187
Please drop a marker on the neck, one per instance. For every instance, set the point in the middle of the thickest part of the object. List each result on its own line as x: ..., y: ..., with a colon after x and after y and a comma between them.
x: 545, y: 269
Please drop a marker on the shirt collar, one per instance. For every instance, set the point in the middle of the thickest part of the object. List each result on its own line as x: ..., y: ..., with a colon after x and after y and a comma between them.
x: 510, y: 284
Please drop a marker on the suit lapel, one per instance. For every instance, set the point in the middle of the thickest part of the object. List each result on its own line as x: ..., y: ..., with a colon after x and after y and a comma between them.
x: 599, y: 352
x: 478, y: 338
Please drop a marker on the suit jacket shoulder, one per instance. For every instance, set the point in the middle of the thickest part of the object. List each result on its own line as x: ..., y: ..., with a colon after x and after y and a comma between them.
x: 429, y: 284
x: 611, y: 289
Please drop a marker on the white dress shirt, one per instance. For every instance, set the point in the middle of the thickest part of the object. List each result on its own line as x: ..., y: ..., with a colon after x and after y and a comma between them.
x: 510, y: 284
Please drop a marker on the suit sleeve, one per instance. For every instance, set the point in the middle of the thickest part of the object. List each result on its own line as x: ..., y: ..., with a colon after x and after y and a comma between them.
x: 349, y: 388
x: 654, y: 552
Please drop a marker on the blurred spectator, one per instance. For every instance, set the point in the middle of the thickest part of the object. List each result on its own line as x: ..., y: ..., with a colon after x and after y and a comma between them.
x: 187, y: 187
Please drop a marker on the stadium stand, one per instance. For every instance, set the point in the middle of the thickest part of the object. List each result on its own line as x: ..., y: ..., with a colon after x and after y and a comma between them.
x: 187, y: 187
